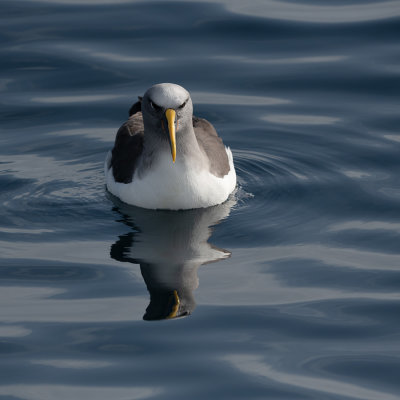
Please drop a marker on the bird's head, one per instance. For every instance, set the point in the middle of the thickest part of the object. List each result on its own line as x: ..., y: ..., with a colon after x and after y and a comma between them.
x: 167, y: 111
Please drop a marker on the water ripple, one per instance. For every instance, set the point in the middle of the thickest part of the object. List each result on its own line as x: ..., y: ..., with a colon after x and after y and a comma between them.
x: 304, y: 302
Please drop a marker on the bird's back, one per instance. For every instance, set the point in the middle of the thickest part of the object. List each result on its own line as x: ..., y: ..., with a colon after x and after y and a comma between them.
x: 127, y: 148
x: 212, y: 145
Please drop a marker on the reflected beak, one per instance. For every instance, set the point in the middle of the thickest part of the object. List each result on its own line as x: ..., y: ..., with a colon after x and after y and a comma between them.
x: 175, y: 305
x: 171, y: 115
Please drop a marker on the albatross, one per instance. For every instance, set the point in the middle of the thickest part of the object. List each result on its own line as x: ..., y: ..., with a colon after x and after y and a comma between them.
x: 166, y: 158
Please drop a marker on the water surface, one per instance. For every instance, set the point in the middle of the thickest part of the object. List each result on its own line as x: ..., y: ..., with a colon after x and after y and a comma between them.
x: 290, y: 290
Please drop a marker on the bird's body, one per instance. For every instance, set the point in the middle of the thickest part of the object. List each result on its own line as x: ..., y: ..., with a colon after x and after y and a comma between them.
x: 139, y: 170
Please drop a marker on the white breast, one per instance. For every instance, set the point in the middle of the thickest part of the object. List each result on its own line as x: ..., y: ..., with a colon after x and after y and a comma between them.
x: 174, y: 186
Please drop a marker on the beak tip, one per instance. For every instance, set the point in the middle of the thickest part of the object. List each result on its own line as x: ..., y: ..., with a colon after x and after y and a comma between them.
x: 170, y: 115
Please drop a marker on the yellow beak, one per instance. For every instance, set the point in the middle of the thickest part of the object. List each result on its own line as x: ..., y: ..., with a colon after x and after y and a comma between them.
x: 171, y: 114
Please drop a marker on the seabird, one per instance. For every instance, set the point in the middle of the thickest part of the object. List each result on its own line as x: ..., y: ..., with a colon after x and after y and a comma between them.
x: 166, y: 158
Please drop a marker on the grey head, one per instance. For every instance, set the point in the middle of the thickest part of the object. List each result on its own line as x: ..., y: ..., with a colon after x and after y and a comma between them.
x: 167, y: 116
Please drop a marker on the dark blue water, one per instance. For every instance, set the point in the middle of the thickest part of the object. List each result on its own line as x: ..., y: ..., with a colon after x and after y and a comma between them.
x: 294, y: 291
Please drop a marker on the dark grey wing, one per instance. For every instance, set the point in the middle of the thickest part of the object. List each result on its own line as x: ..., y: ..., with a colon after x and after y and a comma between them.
x: 136, y: 107
x: 127, y: 149
x: 212, y: 145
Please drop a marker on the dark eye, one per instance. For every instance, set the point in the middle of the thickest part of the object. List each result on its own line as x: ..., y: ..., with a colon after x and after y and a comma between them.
x: 182, y: 105
x: 154, y: 106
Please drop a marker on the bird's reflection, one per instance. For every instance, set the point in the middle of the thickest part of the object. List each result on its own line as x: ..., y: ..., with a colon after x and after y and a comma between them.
x: 169, y: 246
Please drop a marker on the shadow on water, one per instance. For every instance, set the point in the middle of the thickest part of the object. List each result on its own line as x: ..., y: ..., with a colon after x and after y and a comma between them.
x: 169, y: 246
